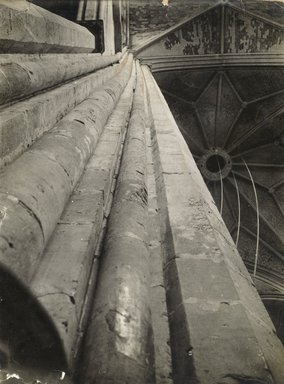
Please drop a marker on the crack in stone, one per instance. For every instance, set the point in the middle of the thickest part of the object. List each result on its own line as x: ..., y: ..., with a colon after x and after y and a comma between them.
x: 243, y: 379
x: 32, y: 214
x: 71, y: 297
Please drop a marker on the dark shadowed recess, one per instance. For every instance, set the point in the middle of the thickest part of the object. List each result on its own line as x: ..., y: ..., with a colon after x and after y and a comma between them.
x: 64, y: 8
x: 29, y: 341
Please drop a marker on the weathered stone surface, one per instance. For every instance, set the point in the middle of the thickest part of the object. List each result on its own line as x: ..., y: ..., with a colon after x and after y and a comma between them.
x: 210, y: 295
x: 159, y: 314
x: 23, y: 123
x: 61, y: 290
x: 13, y: 242
x: 105, y: 13
x: 43, y: 177
x: 118, y: 340
x: 27, y: 28
x: 91, y: 10
x: 25, y: 75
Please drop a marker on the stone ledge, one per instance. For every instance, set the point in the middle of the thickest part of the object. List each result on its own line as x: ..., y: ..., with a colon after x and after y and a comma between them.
x: 25, y: 75
x: 27, y: 28
x: 23, y: 123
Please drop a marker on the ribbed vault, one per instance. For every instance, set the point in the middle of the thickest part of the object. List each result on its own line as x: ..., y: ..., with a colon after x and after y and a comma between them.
x: 232, y: 120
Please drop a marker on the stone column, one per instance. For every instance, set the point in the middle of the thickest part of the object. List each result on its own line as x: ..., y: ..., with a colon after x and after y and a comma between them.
x: 92, y: 8
x: 106, y: 14
x: 111, y: 12
x: 88, y: 9
x: 117, y: 8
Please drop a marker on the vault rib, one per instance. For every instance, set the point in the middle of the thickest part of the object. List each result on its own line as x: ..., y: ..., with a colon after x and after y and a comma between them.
x: 207, y: 86
x: 179, y: 98
x: 231, y: 129
x: 278, y: 204
x: 240, y: 154
x: 248, y: 179
x: 263, y: 242
x: 202, y: 129
x: 260, y: 213
x: 233, y: 87
x: 265, y: 97
x: 227, y: 199
x: 255, y: 128
x: 218, y: 106
x: 264, y: 165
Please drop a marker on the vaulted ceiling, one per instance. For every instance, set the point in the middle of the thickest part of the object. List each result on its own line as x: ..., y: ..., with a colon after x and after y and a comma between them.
x: 222, y: 74
x: 232, y: 120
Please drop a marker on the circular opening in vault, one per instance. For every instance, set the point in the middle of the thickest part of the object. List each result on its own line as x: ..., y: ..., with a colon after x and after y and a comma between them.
x: 215, y: 163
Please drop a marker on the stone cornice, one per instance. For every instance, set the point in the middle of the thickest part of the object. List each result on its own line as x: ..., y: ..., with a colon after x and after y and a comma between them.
x: 159, y: 64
